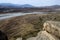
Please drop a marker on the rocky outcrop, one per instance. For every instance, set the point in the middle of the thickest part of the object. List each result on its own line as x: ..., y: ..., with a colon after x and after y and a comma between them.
x: 51, y: 31
x: 52, y: 27
x: 43, y: 35
x: 19, y: 39
x: 46, y: 36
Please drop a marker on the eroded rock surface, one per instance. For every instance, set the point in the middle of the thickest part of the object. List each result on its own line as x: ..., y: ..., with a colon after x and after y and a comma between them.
x: 51, y: 31
x: 43, y: 35
x: 19, y: 39
x: 52, y: 27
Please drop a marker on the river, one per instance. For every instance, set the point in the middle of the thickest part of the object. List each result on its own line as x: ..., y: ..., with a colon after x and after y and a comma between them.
x: 9, y: 15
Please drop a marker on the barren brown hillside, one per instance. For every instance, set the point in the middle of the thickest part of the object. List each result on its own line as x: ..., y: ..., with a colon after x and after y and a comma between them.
x: 26, y: 26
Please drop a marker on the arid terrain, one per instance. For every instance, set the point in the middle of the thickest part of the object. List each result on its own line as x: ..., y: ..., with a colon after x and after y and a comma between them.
x: 27, y: 26
x: 29, y: 19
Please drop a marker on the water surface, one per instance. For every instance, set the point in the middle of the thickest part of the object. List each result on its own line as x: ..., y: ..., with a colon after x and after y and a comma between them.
x: 9, y: 15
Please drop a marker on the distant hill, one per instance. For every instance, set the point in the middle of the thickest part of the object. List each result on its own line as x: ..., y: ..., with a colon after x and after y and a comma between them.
x: 53, y: 6
x: 26, y: 5
x: 10, y: 5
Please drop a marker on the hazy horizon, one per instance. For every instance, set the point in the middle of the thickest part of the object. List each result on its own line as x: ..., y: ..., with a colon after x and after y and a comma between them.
x: 33, y: 2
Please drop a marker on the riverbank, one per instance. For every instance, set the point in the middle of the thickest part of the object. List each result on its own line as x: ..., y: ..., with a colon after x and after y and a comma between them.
x: 10, y: 15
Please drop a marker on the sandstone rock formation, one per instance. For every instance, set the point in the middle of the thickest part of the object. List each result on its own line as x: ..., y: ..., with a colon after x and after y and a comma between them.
x: 52, y: 27
x: 43, y: 35
x: 19, y: 39
x: 51, y: 31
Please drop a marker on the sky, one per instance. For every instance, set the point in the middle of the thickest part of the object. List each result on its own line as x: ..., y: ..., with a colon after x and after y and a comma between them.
x: 33, y: 2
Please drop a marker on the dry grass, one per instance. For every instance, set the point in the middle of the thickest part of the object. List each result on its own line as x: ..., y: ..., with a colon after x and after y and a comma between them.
x: 26, y: 26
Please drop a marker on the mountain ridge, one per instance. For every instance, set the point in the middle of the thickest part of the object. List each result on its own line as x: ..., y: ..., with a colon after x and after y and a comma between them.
x: 10, y: 5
